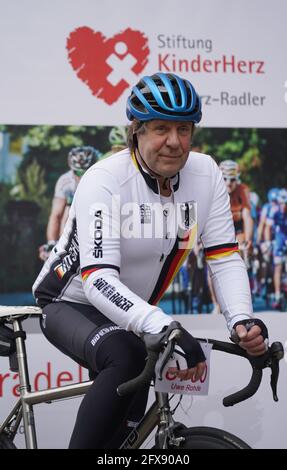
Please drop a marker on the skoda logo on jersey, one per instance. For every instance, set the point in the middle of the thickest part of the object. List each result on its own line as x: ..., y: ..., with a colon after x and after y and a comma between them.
x: 98, y: 235
x: 188, y: 214
x: 108, y: 66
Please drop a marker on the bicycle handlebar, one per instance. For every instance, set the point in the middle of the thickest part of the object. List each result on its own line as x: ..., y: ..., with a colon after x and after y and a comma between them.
x: 165, y: 342
x: 141, y: 380
x: 257, y: 365
x: 247, y: 391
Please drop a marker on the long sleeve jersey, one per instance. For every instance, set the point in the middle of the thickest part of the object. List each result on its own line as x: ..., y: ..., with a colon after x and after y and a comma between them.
x: 123, y: 243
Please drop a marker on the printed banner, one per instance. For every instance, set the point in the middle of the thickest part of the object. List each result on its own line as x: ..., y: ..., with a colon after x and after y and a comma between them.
x: 69, y: 62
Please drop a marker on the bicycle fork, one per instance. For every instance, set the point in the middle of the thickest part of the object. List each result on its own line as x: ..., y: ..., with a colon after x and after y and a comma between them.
x: 165, y: 436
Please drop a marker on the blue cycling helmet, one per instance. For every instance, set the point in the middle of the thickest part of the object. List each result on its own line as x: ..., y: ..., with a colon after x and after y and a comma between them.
x: 272, y: 194
x: 164, y: 96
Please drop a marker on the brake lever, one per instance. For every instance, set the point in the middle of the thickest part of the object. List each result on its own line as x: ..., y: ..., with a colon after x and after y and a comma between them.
x: 271, y: 359
x: 162, y: 361
x: 276, y: 354
x: 274, y: 379
x: 167, y: 353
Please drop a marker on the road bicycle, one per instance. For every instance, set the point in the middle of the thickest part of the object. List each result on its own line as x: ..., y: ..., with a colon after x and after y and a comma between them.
x: 160, y: 348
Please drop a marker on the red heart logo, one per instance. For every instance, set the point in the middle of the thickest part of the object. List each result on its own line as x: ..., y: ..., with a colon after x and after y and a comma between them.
x: 107, y: 66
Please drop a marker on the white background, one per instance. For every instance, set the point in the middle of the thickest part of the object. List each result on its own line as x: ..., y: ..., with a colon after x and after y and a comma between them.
x: 39, y: 86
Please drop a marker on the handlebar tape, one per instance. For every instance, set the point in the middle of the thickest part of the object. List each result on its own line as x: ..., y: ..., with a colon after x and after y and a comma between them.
x: 246, y: 392
x: 143, y: 379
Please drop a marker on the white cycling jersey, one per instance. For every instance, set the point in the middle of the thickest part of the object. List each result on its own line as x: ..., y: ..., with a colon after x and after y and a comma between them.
x: 66, y: 187
x: 123, y: 243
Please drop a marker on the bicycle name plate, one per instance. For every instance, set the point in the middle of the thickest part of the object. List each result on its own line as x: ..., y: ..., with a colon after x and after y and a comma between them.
x: 171, y: 384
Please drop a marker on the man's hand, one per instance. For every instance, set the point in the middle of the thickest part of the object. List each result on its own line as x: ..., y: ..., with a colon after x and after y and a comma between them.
x: 249, y: 246
x: 254, y: 340
x: 194, y: 357
x: 45, y: 250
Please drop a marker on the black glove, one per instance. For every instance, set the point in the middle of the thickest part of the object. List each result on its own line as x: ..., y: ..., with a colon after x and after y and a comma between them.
x: 248, y: 325
x: 191, y: 348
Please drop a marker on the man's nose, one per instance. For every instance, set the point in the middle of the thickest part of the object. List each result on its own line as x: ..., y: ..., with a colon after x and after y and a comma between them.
x: 173, y: 138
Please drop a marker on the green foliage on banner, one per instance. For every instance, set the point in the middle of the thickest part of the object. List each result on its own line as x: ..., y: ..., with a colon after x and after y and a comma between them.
x: 49, y: 147
x: 261, y: 154
x: 25, y: 208
x: 31, y: 186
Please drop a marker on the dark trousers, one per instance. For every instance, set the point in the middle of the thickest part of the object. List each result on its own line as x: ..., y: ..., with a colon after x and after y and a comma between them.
x: 113, y: 356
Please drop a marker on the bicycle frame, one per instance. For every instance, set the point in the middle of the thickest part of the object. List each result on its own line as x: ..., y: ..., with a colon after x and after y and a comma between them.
x: 24, y: 406
x: 158, y: 414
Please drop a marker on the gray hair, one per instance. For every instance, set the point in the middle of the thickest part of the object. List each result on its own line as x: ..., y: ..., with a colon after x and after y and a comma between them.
x: 136, y: 127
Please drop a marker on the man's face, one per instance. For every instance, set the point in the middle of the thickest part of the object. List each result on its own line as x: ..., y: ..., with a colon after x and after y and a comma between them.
x: 165, y: 145
x: 231, y: 184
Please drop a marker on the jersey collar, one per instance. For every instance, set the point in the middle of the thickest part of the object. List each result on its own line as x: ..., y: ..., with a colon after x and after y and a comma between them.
x: 151, y: 181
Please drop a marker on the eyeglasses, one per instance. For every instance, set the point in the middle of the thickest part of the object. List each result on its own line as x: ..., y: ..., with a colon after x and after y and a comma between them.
x: 230, y: 180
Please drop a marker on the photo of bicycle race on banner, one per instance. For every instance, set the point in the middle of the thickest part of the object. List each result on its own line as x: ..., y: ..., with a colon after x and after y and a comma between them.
x: 41, y: 166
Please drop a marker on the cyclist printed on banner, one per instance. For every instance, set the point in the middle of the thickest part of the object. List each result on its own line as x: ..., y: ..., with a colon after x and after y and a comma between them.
x: 277, y: 223
x: 117, y: 140
x: 240, y: 204
x: 255, y: 213
x: 255, y: 255
x: 241, y: 213
x: 267, y: 212
x: 101, y: 286
x: 79, y: 160
x: 265, y: 242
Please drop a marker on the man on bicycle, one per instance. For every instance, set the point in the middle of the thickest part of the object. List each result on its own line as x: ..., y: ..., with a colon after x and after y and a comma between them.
x: 134, y: 219
x: 79, y: 160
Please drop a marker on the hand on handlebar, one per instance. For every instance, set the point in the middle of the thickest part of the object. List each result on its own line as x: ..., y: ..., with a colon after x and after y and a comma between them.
x: 45, y: 250
x: 166, y: 340
x: 194, y: 357
x: 252, y: 335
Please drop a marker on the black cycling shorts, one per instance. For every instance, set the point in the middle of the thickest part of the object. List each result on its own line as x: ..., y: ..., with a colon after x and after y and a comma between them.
x: 79, y: 329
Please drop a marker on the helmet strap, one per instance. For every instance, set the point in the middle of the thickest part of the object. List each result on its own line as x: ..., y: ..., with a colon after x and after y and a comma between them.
x: 137, y: 150
x: 152, y: 172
